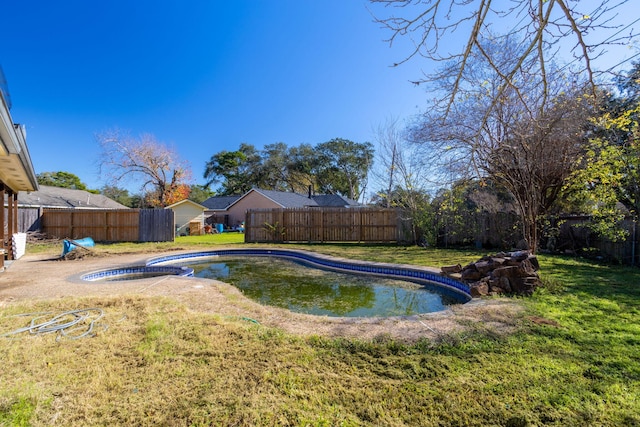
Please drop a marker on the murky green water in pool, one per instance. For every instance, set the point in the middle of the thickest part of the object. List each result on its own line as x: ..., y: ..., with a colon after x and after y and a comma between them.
x: 288, y: 284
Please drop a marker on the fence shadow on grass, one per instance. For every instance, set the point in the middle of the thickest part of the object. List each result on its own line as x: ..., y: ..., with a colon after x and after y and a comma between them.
x: 619, y: 283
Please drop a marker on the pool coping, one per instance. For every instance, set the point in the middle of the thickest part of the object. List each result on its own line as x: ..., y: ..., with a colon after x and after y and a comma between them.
x: 167, y: 270
x: 419, y: 274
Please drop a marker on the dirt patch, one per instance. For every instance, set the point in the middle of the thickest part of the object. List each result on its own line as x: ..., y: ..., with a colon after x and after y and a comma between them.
x: 46, y: 277
x: 79, y: 253
x: 543, y: 321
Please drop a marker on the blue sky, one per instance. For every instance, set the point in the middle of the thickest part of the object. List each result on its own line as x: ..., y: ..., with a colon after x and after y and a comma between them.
x: 202, y: 76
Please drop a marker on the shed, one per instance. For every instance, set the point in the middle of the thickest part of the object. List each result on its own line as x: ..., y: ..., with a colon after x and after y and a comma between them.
x: 188, y: 217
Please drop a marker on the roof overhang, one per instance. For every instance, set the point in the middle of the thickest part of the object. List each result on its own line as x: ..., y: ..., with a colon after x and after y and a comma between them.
x: 184, y: 202
x: 16, y: 169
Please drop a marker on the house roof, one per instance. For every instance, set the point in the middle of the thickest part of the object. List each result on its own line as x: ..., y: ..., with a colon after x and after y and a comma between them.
x: 286, y: 199
x: 219, y: 203
x: 57, y: 197
x: 186, y: 201
x: 16, y: 169
x: 334, y: 200
x: 282, y: 198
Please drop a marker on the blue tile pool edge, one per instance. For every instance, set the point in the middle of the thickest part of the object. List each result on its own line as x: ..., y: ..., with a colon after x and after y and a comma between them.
x: 423, y: 275
x: 136, y: 269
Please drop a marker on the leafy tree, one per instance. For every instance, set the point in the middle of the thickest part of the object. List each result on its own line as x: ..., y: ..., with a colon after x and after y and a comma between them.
x: 138, y: 201
x: 200, y: 193
x: 608, y: 186
x: 277, y: 168
x: 625, y: 126
x: 455, y: 215
x: 61, y: 179
x: 343, y: 167
x: 338, y: 166
x: 611, y: 176
x: 177, y: 194
x: 236, y: 171
x: 304, y: 166
x: 464, y: 211
x: 146, y: 160
x: 416, y: 208
x: 119, y: 195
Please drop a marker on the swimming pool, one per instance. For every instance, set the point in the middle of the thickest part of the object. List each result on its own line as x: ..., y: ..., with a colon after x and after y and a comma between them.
x: 448, y: 290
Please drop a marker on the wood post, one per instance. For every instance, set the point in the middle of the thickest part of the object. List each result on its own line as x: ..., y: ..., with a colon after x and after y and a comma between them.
x: 3, y: 241
x: 12, y: 221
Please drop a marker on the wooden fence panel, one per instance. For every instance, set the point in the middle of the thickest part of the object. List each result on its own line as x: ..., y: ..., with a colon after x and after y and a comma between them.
x: 574, y: 235
x: 87, y: 224
x: 121, y: 227
x: 336, y: 226
x: 383, y: 226
x: 322, y: 225
x: 57, y: 223
x: 156, y: 225
x: 297, y: 228
x: 103, y: 225
x: 28, y: 219
x: 110, y: 225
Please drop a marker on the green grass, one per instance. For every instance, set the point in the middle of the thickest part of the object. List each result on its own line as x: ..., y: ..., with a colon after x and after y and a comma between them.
x: 211, y: 239
x: 573, y: 360
x: 181, y: 242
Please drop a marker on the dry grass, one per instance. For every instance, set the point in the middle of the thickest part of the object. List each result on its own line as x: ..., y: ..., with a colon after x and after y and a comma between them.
x: 160, y: 364
x: 570, y: 358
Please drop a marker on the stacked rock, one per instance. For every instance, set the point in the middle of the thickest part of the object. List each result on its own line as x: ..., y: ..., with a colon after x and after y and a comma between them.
x: 502, y: 273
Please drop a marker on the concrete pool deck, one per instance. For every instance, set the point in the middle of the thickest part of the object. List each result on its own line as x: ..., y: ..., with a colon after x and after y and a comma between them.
x: 43, y: 277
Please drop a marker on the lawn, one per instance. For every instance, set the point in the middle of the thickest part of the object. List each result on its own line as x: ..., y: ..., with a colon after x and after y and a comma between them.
x: 573, y: 360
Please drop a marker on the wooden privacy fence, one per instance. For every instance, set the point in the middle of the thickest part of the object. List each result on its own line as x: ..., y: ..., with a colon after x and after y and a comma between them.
x: 110, y: 225
x: 574, y: 235
x: 156, y: 225
x: 28, y: 219
x: 322, y: 225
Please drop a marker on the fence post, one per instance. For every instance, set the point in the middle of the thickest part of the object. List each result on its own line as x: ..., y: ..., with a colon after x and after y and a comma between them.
x: 634, y: 241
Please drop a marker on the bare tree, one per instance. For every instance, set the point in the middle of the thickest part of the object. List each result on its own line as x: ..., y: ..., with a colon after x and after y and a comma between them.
x: 386, y: 159
x: 526, y: 139
x: 399, y: 164
x: 402, y: 177
x: 157, y: 167
x: 545, y: 27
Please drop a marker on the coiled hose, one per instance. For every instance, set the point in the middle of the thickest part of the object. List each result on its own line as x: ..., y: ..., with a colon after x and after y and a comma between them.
x: 71, y: 324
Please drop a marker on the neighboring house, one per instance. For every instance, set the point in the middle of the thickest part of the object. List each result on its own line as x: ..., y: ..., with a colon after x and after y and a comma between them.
x: 233, y: 208
x: 16, y: 175
x: 58, y: 197
x: 32, y: 203
x: 216, y: 212
x: 188, y: 217
x: 335, y: 201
